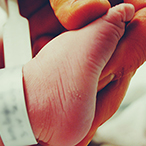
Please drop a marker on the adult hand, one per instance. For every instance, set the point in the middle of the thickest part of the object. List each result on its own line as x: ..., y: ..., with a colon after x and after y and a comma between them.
x: 40, y: 37
x: 44, y: 25
x: 61, y: 81
x: 130, y: 52
x: 128, y: 56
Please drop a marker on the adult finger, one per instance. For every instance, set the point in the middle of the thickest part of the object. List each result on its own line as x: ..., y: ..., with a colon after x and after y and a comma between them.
x: 76, y: 14
x: 138, y: 4
x: 108, y: 101
x: 130, y: 52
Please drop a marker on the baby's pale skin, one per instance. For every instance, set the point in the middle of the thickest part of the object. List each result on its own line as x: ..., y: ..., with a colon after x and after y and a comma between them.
x: 61, y: 81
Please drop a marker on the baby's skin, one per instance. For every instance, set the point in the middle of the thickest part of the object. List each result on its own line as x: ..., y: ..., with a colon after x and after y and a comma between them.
x: 62, y: 79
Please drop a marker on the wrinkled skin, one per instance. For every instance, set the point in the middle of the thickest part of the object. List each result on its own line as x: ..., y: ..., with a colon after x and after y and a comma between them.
x: 110, y: 95
x: 76, y: 14
x: 129, y: 55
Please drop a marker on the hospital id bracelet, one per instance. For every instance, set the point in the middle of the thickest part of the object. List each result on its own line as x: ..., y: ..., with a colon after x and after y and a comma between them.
x: 15, y: 128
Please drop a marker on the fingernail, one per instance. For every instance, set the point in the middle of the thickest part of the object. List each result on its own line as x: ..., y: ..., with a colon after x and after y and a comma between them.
x: 105, y: 81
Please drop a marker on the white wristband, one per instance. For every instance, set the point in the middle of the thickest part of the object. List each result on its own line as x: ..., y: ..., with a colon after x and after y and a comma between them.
x: 15, y: 128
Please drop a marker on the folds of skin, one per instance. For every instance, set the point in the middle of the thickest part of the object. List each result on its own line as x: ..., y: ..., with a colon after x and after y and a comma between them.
x: 108, y: 101
x: 129, y: 55
x: 112, y: 99
x: 139, y: 4
x: 68, y: 80
x: 130, y: 52
x: 74, y: 14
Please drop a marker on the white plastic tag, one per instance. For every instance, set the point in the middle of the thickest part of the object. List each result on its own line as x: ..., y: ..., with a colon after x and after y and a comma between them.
x: 15, y: 128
